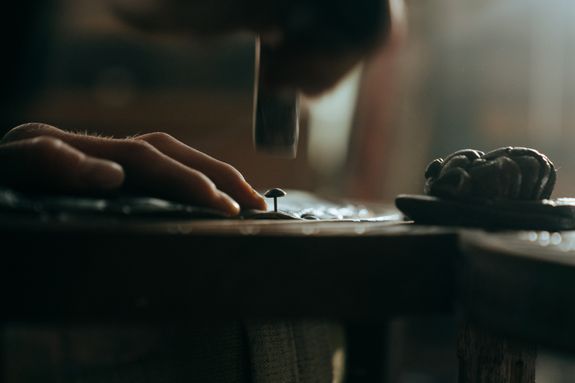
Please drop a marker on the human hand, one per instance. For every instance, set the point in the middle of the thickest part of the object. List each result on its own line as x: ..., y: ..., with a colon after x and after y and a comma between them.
x: 40, y: 157
x: 310, y: 44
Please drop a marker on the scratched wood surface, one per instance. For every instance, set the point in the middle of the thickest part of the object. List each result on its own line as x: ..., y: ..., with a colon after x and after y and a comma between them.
x: 485, y: 358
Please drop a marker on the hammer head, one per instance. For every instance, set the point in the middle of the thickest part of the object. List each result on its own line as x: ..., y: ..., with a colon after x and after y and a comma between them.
x: 276, y: 114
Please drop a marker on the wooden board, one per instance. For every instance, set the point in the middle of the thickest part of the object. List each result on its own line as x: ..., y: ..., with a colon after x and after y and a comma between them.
x: 140, y: 270
x: 521, y: 284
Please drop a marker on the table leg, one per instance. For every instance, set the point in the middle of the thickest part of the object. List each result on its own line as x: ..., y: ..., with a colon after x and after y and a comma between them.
x: 484, y: 358
x: 3, y: 375
x: 366, y: 352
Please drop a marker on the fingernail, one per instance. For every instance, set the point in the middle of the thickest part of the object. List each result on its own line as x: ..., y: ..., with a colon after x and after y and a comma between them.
x: 102, y: 174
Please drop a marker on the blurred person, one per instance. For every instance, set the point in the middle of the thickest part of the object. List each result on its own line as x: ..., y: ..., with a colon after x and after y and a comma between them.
x: 312, y: 43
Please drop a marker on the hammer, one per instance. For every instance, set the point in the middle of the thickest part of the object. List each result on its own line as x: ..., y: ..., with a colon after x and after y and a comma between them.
x: 316, y: 26
x: 276, y: 112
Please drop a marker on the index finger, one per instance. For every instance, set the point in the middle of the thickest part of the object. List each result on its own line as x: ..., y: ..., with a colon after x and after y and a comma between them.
x: 225, y: 176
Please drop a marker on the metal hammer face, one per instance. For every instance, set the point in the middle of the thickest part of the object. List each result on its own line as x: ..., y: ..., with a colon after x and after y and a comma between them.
x: 276, y: 114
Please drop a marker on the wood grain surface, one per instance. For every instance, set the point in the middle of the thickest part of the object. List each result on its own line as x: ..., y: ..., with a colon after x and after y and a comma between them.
x: 70, y: 271
x: 485, y: 358
x: 521, y: 284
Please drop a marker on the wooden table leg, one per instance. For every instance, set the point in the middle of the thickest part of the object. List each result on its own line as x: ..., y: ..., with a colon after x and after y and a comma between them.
x: 484, y: 358
x: 3, y: 375
x: 366, y: 352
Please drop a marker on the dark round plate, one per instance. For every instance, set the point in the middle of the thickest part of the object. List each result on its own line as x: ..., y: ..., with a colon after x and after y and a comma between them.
x: 557, y: 214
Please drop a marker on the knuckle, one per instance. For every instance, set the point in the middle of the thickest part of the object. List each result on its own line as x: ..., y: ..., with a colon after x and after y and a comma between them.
x: 55, y: 151
x: 156, y: 137
x: 138, y: 147
x: 46, y: 145
x: 209, y: 187
x: 232, y: 172
x: 28, y: 130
